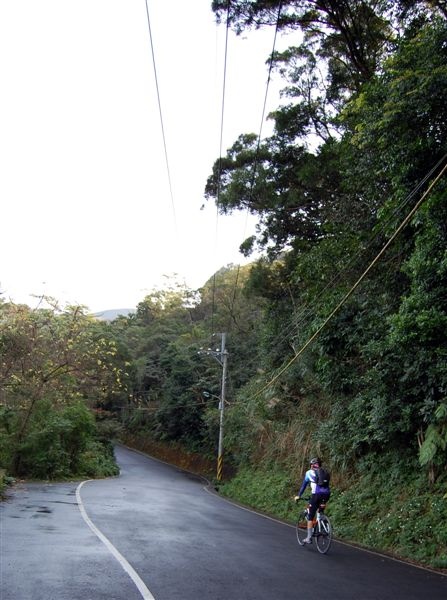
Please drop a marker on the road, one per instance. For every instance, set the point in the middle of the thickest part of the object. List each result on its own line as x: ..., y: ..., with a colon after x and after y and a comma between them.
x: 156, y: 532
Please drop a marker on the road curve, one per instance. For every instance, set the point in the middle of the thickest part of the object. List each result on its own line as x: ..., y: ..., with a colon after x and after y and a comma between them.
x: 181, y: 542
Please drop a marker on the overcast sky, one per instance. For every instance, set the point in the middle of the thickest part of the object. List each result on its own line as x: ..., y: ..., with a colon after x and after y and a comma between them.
x: 86, y: 209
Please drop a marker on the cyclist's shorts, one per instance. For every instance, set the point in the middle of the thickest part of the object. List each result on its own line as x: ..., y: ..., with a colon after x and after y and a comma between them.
x: 314, y: 503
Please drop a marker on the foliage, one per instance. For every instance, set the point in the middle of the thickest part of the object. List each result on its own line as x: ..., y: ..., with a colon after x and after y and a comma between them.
x: 270, y: 490
x: 340, y: 50
x: 349, y: 37
x: 59, y: 444
x: 53, y: 364
x: 98, y: 460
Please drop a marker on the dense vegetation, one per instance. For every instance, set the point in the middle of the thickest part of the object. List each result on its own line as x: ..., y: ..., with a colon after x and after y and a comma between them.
x: 54, y: 366
x: 359, y: 145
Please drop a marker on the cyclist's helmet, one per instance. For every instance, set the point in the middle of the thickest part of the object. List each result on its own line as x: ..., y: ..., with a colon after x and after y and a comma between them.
x: 315, y: 461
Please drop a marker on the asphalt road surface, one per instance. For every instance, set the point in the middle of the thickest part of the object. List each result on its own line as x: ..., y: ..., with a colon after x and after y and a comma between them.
x: 156, y: 532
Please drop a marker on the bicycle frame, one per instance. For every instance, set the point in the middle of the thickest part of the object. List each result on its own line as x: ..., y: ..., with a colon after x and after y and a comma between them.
x: 321, y: 529
x: 320, y: 525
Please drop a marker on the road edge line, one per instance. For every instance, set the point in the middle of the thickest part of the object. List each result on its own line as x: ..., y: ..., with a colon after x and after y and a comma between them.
x: 139, y: 583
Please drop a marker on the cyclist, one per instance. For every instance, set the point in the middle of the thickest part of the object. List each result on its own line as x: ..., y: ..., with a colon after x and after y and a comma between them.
x: 320, y: 494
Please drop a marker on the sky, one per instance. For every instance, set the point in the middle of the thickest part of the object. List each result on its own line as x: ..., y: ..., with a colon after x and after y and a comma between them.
x: 88, y: 213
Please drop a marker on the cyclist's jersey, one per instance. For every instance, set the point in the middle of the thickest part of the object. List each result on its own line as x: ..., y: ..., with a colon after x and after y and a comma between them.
x: 310, y: 478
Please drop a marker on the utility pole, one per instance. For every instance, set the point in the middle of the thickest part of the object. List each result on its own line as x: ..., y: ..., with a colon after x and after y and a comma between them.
x: 221, y: 356
x: 224, y: 356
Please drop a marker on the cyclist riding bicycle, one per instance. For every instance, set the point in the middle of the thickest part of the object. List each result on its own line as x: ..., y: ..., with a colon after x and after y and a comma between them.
x: 319, y: 485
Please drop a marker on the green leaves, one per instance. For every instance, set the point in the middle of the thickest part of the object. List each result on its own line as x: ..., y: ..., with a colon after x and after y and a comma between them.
x: 53, y: 363
x: 434, y: 445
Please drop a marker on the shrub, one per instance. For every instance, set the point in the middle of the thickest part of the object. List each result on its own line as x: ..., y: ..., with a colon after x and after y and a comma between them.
x: 61, y: 443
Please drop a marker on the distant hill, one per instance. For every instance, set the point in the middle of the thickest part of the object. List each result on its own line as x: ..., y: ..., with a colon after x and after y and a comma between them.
x: 111, y: 314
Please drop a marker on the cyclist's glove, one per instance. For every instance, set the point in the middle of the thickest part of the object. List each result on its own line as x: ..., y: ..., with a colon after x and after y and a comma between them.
x: 297, y: 498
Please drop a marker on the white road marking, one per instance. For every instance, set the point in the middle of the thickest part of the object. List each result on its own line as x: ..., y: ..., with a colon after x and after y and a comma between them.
x: 141, y: 586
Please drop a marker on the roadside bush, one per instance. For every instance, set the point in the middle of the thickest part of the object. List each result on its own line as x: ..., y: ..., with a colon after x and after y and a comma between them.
x: 8, y: 426
x: 61, y: 443
x: 269, y: 490
x: 98, y: 460
x: 55, y: 441
x: 109, y: 429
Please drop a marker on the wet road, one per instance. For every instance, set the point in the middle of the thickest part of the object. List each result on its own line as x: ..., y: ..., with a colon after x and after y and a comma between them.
x: 156, y: 533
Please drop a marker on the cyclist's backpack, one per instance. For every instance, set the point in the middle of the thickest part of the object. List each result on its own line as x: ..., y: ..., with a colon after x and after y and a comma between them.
x: 323, y: 478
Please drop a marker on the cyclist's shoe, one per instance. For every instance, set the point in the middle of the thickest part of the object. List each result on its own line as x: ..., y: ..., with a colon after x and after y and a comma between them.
x: 307, y: 541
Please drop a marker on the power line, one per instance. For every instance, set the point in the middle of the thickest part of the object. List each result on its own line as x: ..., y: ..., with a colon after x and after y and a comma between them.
x: 161, y: 117
x: 255, y: 164
x: 213, y: 306
x: 307, y: 310
x: 354, y: 287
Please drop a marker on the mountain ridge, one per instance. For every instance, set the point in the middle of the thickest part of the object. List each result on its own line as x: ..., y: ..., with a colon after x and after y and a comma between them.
x: 113, y: 313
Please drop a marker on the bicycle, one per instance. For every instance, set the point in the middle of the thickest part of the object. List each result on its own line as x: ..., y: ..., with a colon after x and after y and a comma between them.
x: 322, y: 529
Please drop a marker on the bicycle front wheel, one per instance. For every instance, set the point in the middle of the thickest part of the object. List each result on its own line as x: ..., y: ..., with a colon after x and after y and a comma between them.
x: 323, y: 535
x: 301, y: 528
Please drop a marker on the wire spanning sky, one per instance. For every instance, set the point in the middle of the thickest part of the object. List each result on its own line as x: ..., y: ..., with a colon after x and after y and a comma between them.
x: 86, y: 214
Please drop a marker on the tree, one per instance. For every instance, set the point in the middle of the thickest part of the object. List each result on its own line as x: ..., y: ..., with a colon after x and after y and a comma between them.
x: 50, y: 360
x: 349, y: 36
x: 302, y: 195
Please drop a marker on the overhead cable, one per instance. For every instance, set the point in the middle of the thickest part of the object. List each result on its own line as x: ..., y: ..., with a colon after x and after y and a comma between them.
x: 307, y: 310
x: 403, y: 224
x: 161, y: 117
x: 255, y: 164
x: 213, y: 306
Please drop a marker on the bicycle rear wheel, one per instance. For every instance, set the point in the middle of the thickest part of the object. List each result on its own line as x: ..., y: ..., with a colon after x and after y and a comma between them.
x: 301, y: 528
x: 323, y: 535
